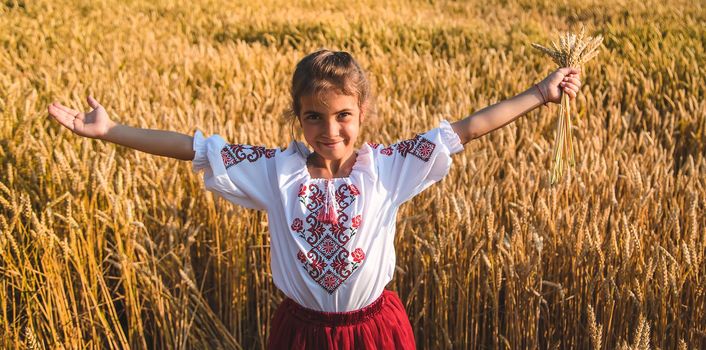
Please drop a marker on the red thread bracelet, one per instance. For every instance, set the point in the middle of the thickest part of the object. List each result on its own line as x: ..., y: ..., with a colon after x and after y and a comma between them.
x: 541, y: 93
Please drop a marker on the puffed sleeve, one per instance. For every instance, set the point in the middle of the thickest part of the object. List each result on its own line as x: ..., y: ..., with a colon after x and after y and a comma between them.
x: 408, y: 167
x: 239, y: 173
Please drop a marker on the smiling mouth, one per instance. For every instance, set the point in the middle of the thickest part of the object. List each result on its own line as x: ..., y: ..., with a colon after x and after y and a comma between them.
x: 331, y: 144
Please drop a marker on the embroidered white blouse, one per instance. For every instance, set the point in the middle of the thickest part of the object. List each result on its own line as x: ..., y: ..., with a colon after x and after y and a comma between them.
x: 331, y: 240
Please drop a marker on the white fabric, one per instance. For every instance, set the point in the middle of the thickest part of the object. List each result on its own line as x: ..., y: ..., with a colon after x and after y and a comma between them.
x: 317, y: 263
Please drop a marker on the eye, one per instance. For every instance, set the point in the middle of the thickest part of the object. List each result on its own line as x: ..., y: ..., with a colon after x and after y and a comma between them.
x: 343, y: 115
x: 312, y: 117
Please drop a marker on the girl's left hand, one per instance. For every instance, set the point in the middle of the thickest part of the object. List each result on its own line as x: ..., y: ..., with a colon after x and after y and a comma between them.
x: 566, y: 80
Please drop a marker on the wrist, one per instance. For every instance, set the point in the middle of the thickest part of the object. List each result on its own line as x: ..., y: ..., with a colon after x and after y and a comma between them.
x: 109, y: 130
x: 540, y: 94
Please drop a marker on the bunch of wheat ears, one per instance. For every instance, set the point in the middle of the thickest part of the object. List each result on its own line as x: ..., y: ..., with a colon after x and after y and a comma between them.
x: 573, y: 51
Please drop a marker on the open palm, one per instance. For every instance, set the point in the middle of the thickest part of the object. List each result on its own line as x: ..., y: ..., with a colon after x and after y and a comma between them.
x: 93, y: 124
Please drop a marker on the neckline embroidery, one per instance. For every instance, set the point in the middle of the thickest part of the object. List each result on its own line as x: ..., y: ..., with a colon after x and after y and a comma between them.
x: 329, y: 260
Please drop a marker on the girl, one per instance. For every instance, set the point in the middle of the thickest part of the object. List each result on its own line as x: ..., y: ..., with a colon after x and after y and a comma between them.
x: 331, y: 211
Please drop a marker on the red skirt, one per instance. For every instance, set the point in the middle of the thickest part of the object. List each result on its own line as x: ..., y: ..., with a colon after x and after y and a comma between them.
x: 381, y: 325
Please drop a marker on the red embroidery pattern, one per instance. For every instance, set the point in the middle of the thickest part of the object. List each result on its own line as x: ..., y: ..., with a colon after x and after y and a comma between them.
x: 353, y: 189
x: 419, y: 147
x: 328, y: 262
x: 373, y: 145
x: 235, y: 153
x: 297, y: 225
x: 358, y: 255
x: 355, y: 222
x: 302, y: 193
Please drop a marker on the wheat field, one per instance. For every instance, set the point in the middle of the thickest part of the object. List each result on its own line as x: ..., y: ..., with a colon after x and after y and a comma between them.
x: 103, y: 247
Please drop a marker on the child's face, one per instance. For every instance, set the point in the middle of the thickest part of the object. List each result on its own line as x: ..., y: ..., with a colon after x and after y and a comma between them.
x: 331, y: 126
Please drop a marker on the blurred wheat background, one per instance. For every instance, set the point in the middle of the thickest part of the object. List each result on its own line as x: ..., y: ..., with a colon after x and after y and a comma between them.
x: 103, y: 247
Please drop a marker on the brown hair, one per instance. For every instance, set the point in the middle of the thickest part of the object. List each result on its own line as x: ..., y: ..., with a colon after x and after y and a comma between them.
x: 327, y: 70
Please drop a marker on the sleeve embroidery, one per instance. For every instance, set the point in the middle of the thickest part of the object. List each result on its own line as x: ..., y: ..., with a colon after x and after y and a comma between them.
x: 418, y: 146
x: 235, y: 153
x: 410, y: 166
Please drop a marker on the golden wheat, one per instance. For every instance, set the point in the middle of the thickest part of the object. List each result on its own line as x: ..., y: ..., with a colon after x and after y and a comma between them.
x: 108, y: 248
x: 573, y: 51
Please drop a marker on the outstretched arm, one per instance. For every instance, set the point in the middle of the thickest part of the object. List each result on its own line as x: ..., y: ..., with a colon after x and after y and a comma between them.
x: 96, y: 124
x: 159, y: 142
x: 505, y: 112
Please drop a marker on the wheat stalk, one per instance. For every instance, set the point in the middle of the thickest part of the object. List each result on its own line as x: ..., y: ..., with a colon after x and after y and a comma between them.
x: 31, y: 341
x: 572, y: 51
x: 595, y: 329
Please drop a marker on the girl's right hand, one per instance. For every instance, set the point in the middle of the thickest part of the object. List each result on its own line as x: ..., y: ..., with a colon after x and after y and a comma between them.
x: 94, y: 124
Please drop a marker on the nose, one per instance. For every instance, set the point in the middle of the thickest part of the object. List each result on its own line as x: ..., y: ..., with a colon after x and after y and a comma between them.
x: 332, y: 129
